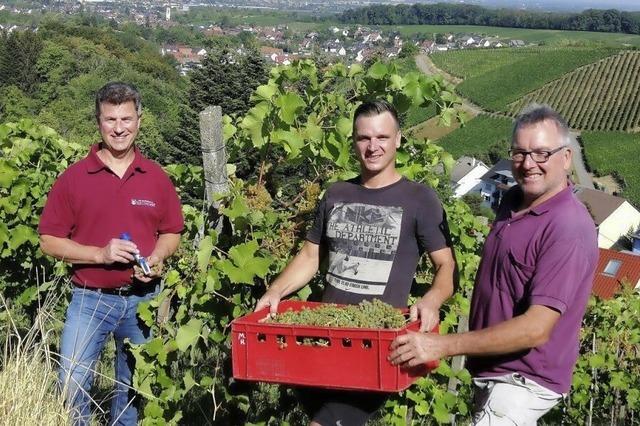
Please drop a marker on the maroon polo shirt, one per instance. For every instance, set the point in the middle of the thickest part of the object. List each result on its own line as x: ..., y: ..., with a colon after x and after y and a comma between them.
x: 90, y: 204
x: 547, y: 257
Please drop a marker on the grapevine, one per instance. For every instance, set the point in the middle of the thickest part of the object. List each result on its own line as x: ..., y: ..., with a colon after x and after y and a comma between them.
x: 366, y: 314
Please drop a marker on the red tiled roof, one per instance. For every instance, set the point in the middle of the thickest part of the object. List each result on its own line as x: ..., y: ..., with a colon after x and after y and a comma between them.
x: 606, y: 286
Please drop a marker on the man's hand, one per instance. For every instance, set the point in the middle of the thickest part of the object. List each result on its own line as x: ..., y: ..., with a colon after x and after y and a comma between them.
x: 415, y: 348
x: 117, y: 250
x: 428, y: 311
x: 270, y: 300
x: 155, y: 264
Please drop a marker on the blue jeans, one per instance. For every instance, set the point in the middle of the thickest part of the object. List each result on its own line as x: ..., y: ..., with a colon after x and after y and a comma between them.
x: 91, y: 317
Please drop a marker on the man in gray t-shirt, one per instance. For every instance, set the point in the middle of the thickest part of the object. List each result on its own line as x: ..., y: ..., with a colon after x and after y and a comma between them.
x: 374, y: 229
x: 531, y: 288
x: 374, y: 238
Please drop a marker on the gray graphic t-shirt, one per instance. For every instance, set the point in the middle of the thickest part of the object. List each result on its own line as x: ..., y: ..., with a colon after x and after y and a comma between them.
x: 375, y: 237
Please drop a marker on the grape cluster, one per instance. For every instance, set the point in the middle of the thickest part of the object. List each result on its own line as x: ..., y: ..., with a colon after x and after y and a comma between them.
x: 366, y: 314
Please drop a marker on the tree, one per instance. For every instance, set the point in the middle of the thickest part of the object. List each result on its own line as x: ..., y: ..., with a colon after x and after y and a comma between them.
x: 14, y: 104
x: 475, y: 202
x: 409, y: 50
x: 18, y: 57
x: 226, y: 78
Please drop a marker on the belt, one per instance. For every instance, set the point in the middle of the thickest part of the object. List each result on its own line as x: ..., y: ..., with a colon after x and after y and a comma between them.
x: 127, y: 290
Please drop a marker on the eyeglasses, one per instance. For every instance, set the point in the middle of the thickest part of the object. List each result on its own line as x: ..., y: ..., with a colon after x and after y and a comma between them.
x: 537, y: 156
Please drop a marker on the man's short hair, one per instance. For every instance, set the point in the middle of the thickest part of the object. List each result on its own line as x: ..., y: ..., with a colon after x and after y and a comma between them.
x: 116, y: 93
x: 375, y: 107
x: 537, y: 113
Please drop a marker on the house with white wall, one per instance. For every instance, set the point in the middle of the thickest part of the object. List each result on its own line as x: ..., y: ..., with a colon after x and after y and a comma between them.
x: 614, y: 216
x: 496, y: 182
x: 466, y: 176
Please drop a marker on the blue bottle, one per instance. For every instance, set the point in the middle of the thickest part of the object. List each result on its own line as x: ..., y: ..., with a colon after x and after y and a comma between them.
x: 140, y: 260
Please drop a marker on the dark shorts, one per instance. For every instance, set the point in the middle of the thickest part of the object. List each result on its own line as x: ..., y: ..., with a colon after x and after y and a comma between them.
x: 336, y: 407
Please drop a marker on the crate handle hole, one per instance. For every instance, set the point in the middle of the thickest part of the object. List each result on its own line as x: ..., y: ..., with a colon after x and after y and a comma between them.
x: 281, y: 341
x: 366, y: 343
x: 346, y: 342
x: 313, y: 341
x: 262, y: 337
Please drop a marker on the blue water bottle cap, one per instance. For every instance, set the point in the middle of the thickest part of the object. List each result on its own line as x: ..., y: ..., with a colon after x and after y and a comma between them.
x: 125, y: 236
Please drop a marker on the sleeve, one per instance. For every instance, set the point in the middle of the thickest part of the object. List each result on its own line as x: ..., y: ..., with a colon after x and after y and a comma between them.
x: 57, y: 218
x: 316, y: 233
x: 561, y: 273
x: 172, y: 222
x: 432, y: 229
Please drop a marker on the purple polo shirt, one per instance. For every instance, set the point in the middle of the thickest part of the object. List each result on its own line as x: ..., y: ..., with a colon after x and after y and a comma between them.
x: 90, y: 204
x: 548, y: 257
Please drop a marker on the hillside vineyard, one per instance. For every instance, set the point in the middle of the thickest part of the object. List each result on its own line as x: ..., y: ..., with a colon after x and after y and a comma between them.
x: 604, y: 95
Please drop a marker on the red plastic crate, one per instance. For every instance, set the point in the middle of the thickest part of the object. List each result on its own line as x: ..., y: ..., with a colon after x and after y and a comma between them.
x: 355, y: 358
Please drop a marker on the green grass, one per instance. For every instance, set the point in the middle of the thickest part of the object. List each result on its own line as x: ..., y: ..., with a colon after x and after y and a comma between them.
x: 477, y: 137
x: 527, y: 35
x: 504, y: 76
x: 261, y: 17
x: 608, y: 152
x: 471, y: 63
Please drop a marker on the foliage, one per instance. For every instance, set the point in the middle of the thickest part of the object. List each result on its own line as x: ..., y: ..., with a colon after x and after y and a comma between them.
x: 600, y: 96
x: 466, y: 14
x: 14, y: 104
x: 409, y: 50
x: 226, y: 78
x: 606, y: 381
x: 615, y: 153
x: 414, y: 115
x: 300, y: 116
x: 502, y: 77
x: 483, y: 137
x: 32, y: 158
x: 55, y: 74
x: 476, y: 203
x: 19, y: 52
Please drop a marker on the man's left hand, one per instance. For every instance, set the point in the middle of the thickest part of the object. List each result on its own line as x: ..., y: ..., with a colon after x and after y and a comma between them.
x: 155, y: 264
x: 428, y: 312
x: 415, y: 348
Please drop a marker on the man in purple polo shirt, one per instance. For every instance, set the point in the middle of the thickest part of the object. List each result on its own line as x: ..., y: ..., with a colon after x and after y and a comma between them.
x: 531, y: 288
x: 113, y: 191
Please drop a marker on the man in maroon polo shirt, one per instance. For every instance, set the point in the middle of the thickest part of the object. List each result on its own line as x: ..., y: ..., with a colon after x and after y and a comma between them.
x: 112, y: 192
x: 531, y: 288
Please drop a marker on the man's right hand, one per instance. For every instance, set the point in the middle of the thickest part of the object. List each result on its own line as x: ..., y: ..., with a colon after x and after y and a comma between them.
x: 117, y: 250
x: 270, y: 300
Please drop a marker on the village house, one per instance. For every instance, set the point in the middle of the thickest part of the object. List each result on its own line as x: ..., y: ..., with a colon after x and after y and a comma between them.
x: 466, y: 176
x: 213, y: 30
x: 496, y: 182
x: 614, y: 216
x: 615, y: 269
x: 267, y: 51
x: 372, y: 37
x: 427, y: 46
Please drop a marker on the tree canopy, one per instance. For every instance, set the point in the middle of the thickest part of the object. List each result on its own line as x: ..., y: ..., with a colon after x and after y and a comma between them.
x: 611, y: 20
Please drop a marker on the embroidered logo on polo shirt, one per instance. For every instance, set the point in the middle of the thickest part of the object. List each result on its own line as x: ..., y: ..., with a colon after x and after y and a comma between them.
x: 146, y: 203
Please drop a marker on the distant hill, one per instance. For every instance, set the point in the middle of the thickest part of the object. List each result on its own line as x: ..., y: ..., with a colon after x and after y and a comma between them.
x: 610, y: 20
x: 495, y: 78
x: 604, y: 95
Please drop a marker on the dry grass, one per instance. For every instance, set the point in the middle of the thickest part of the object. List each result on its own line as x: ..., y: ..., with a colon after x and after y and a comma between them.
x: 28, y: 394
